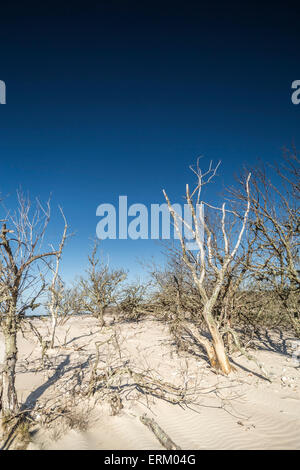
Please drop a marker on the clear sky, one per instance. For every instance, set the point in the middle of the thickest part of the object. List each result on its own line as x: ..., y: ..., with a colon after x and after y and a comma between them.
x: 119, y: 98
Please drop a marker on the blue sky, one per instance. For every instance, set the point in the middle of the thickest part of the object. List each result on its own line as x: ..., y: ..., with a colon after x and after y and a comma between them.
x: 112, y: 99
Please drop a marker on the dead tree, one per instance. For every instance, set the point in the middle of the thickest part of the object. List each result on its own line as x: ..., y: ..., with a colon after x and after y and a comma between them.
x: 98, y: 290
x: 207, y: 258
x: 174, y: 296
x: 275, y: 219
x: 132, y: 305
x: 56, y: 289
x: 22, y: 266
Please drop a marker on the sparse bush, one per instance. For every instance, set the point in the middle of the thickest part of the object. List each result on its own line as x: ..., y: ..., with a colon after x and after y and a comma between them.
x: 100, y: 288
x: 132, y: 307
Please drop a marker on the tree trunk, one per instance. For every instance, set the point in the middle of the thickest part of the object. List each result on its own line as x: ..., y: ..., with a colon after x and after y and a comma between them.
x: 101, y: 317
x: 206, y: 344
x: 9, y: 401
x: 214, y: 348
x: 222, y: 359
x: 54, y: 323
x: 212, y: 357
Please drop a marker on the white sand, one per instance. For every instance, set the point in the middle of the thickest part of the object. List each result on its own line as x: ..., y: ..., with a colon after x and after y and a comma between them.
x: 246, y: 412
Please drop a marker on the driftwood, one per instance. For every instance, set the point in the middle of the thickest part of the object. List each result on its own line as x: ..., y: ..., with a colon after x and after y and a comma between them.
x: 159, y: 433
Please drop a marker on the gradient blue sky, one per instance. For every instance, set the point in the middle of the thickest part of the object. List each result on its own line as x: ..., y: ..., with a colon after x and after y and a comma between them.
x: 118, y: 98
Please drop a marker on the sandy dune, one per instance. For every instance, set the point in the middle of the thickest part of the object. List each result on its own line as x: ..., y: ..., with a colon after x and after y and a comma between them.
x: 243, y: 411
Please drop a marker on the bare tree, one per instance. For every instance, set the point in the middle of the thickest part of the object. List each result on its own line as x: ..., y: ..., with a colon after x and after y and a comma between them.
x: 67, y: 300
x: 22, y: 262
x: 208, y: 259
x: 133, y: 301
x: 275, y: 219
x: 99, y: 289
x: 56, y: 289
x: 174, y: 296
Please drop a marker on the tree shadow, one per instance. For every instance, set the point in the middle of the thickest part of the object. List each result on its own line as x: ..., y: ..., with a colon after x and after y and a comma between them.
x: 79, y: 337
x: 59, y: 372
x: 193, y: 343
x: 277, y: 343
x: 36, y: 394
x: 249, y: 370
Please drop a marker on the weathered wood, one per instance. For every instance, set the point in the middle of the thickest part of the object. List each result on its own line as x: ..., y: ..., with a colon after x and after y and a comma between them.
x: 159, y: 433
x: 9, y: 401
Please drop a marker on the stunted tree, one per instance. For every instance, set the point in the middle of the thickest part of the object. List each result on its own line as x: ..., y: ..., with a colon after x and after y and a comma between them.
x: 275, y: 220
x: 57, y: 288
x: 132, y: 303
x: 174, y: 296
x: 210, y: 263
x: 99, y: 289
x: 237, y: 276
x: 22, y: 271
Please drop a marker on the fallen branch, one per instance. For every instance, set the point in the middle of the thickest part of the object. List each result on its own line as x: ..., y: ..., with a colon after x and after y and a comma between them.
x: 159, y: 433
